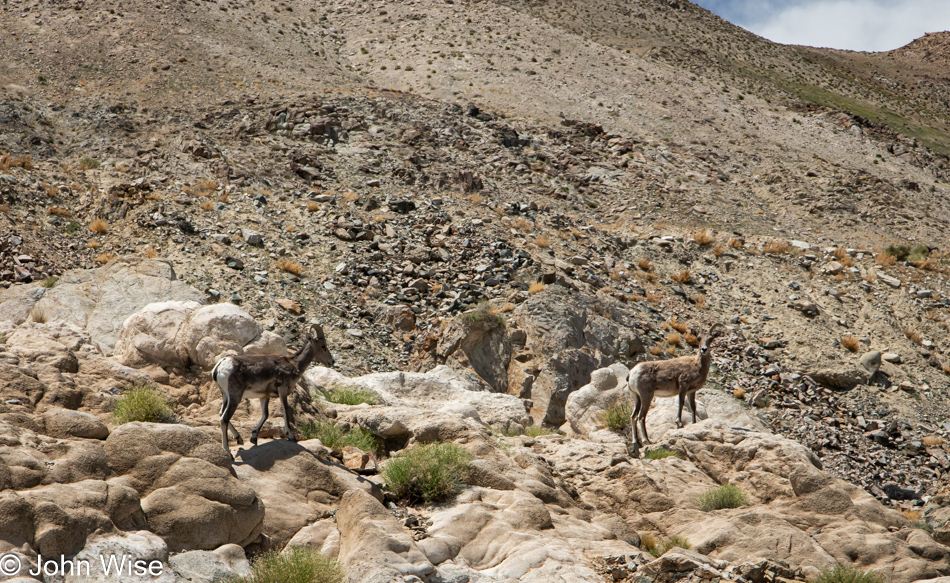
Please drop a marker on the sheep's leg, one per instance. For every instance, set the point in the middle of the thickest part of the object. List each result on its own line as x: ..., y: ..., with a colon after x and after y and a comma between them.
x: 288, y: 412
x: 647, y: 401
x: 692, y: 405
x: 227, y: 411
x: 234, y: 432
x: 264, y: 402
x: 633, y: 420
x: 682, y: 399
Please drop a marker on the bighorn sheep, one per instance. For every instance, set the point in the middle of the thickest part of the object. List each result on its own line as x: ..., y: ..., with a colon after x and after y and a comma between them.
x: 680, y: 377
x: 265, y: 376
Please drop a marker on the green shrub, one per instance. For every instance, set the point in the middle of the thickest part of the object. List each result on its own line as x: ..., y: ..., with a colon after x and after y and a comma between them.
x: 658, y: 549
x: 484, y: 314
x: 351, y: 396
x: 617, y: 415
x: 143, y: 403
x: 297, y: 565
x: 50, y: 281
x: 658, y: 454
x: 336, y: 438
x: 429, y: 473
x: 72, y: 227
x: 725, y: 496
x: 538, y: 431
x: 907, y: 253
x: 918, y: 253
x: 841, y: 574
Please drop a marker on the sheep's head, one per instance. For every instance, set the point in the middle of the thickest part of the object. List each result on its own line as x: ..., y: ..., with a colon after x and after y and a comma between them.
x: 708, y: 338
x: 318, y: 341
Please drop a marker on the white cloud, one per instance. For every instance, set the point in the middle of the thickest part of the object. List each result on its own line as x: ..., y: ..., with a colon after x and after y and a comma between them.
x: 861, y: 25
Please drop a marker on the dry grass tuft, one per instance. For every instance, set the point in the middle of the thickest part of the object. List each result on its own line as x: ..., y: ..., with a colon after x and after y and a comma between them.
x: 4, y: 208
x: 476, y: 199
x: 932, y: 440
x: 691, y: 339
x: 105, y: 257
x: 840, y: 253
x: 99, y: 226
x: 350, y: 196
x: 542, y: 241
x: 682, y: 277
x: 151, y: 253
x: 677, y: 325
x: 652, y: 297
x: 775, y: 247
x: 739, y: 393
x: 290, y: 266
x: 704, y: 237
x: 93, y: 245
x: 7, y: 162
x: 644, y: 264
x: 207, y: 205
x: 718, y: 250
x: 671, y: 350
x: 536, y: 287
x: 59, y: 212
x: 673, y: 339
x: 50, y: 190
x: 700, y: 301
x: 313, y: 206
x: 736, y: 243
x: 851, y: 343
x: 927, y: 264
x: 885, y: 259
x: 202, y: 188
x: 522, y: 224
x: 913, y: 336
x: 507, y: 307
x: 656, y: 350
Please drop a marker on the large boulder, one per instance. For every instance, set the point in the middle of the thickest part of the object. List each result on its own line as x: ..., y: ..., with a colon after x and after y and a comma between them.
x: 109, y: 557
x: 442, y: 389
x: 296, y: 486
x: 99, y: 300
x: 177, y: 334
x: 549, y: 347
x: 375, y: 548
x: 585, y: 407
x: 189, y: 494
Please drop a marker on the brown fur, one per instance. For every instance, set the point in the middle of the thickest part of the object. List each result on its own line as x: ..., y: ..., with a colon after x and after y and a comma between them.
x: 678, y: 377
x: 263, y: 377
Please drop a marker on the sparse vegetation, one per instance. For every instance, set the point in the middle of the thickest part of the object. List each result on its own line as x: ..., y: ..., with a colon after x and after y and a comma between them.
x: 484, y: 314
x: 536, y: 287
x: 50, y: 281
x: 775, y: 247
x: 104, y: 258
x: 290, y: 266
x: 538, y: 431
x: 659, y: 548
x: 428, y: 473
x: 88, y: 163
x: 335, y: 437
x: 294, y: 565
x: 313, y: 206
x: 207, y: 205
x: 72, y: 227
x: 885, y: 259
x: 351, y: 396
x: 725, y: 496
x: 617, y: 415
x: 644, y: 264
x: 736, y: 243
x: 913, y: 335
x: 704, y: 237
x: 682, y: 277
x: 142, y: 403
x: 99, y: 226
x: 850, y: 342
x: 58, y: 212
x: 542, y: 241
x: 842, y: 574
x: 673, y: 339
x: 932, y: 440
x: 739, y: 393
x: 691, y: 339
x: 151, y: 253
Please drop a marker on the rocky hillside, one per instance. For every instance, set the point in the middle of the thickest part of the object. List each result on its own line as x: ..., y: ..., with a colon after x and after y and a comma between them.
x: 492, y: 201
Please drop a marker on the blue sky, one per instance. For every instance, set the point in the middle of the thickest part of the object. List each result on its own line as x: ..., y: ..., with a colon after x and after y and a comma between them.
x: 860, y: 25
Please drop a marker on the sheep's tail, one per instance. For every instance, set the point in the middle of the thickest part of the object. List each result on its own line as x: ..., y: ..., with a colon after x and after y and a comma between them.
x: 220, y: 373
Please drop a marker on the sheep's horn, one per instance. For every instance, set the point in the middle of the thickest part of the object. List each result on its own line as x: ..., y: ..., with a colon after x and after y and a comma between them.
x: 716, y: 329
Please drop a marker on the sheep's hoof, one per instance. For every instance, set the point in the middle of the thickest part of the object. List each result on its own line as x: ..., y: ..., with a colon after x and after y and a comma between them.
x: 254, y: 439
x: 238, y: 441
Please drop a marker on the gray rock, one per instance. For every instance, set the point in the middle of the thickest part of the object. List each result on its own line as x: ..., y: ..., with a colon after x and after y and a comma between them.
x: 891, y: 281
x: 252, y: 237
